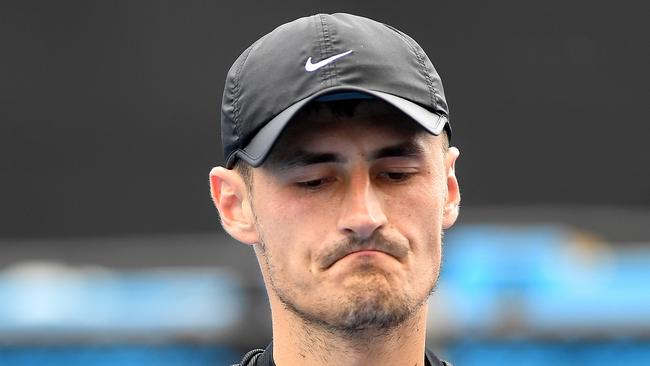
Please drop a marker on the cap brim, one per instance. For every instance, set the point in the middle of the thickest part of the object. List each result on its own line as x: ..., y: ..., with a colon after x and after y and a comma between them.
x: 258, y: 148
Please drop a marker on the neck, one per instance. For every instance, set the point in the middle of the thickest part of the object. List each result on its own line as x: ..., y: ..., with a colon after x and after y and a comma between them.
x: 296, y: 342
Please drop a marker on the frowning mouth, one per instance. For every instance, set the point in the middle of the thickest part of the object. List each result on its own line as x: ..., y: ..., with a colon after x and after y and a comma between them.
x: 378, y: 247
x: 361, y: 252
x: 365, y: 252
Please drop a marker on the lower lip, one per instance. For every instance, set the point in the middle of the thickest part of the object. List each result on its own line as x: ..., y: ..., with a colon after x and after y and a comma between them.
x: 361, y: 252
x: 363, y: 259
x: 363, y: 256
x: 365, y: 253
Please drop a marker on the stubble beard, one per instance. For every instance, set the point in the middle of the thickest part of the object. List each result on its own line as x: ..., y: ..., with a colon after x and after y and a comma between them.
x: 368, y: 306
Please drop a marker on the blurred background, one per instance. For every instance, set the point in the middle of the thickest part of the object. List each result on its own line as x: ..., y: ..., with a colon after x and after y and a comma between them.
x: 111, y: 252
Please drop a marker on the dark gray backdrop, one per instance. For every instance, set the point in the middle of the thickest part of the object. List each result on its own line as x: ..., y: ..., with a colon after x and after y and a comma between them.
x: 109, y: 110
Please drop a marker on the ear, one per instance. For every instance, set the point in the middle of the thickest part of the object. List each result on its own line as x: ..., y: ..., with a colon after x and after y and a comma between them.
x: 452, y: 204
x: 229, y: 195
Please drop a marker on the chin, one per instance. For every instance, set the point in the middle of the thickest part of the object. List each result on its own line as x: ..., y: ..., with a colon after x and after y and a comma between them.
x: 369, y: 302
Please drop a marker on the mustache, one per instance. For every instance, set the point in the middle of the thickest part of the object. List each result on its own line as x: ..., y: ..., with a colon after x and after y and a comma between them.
x: 377, y: 241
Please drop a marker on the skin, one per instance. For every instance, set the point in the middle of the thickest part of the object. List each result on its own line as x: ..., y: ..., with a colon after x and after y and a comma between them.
x: 346, y: 217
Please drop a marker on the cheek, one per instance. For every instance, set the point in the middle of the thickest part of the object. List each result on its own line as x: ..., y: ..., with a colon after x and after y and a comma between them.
x: 422, y: 201
x: 287, y: 215
x: 290, y: 228
x: 420, y: 218
x: 417, y: 214
x: 292, y: 211
x: 424, y: 230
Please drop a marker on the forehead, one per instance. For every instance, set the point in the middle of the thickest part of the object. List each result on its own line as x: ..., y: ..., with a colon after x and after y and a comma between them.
x: 360, y: 121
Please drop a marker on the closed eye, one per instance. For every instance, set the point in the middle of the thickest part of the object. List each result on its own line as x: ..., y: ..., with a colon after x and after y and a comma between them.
x: 314, y: 184
x: 396, y: 177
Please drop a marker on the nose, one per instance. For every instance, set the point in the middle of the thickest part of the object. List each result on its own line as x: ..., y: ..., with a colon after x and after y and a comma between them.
x: 361, y: 211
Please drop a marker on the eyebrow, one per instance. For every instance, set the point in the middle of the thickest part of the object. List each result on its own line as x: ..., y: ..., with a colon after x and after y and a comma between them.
x: 302, y: 158
x: 405, y: 149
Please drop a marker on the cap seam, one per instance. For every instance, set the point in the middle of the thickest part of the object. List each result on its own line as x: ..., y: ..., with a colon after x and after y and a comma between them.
x: 325, y: 47
x: 423, y: 69
x: 237, y: 92
x: 334, y: 80
x: 327, y: 38
x: 414, y: 49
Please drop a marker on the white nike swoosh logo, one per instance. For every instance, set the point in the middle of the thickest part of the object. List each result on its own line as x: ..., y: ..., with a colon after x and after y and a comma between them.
x: 312, y: 67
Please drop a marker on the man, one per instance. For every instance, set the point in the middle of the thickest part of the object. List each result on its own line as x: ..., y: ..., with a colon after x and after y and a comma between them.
x: 339, y: 174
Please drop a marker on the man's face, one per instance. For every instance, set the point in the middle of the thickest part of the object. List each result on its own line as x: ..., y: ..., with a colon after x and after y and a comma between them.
x: 349, y: 212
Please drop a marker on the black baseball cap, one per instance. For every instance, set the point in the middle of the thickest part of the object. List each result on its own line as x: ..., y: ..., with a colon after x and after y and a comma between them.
x: 324, y: 57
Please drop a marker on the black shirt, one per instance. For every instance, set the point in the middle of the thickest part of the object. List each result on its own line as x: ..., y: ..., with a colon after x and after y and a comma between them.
x: 265, y: 358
